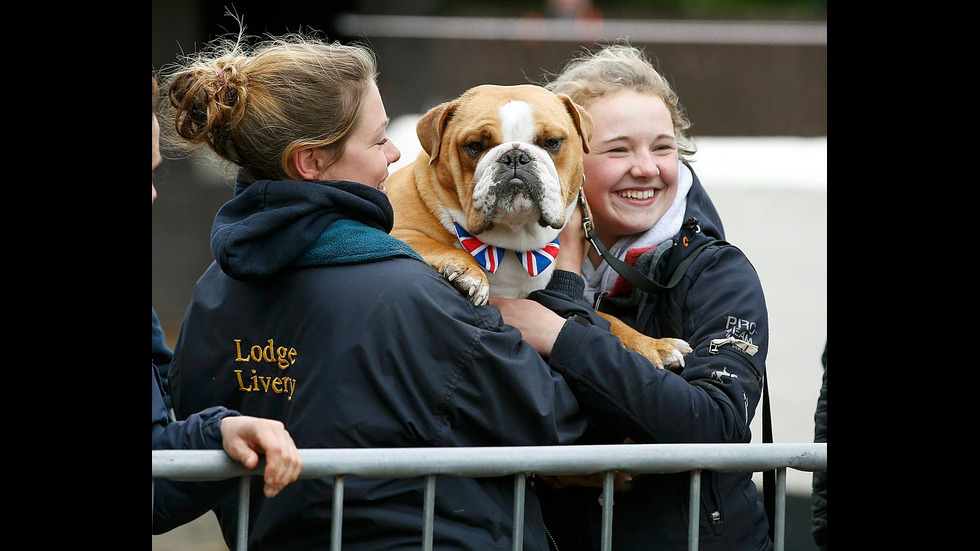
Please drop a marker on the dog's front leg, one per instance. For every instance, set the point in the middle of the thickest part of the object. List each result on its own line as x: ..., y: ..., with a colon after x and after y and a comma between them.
x: 664, y: 353
x: 457, y: 266
x: 465, y: 274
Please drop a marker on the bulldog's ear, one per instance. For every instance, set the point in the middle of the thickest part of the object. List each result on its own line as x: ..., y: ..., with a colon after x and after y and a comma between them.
x: 430, y: 127
x: 582, y: 118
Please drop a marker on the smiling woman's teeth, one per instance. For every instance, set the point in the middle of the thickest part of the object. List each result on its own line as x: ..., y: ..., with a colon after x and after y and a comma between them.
x: 645, y: 194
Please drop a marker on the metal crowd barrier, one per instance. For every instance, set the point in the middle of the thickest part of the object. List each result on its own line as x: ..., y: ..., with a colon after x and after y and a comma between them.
x: 517, y: 461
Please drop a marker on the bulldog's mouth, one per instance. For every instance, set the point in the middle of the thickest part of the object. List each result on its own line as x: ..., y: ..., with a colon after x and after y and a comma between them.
x: 515, y: 186
x: 515, y: 200
x: 516, y: 189
x: 516, y: 195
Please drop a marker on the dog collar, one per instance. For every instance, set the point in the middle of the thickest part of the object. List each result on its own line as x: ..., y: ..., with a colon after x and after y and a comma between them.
x: 490, y: 256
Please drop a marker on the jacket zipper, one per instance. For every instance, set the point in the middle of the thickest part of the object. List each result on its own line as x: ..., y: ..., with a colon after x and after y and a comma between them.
x: 551, y: 539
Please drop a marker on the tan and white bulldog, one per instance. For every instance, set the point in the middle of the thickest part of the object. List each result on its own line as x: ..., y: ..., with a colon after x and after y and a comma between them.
x: 483, y: 203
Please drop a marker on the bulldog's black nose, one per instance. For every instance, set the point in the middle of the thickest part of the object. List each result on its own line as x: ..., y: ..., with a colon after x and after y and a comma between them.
x: 515, y: 158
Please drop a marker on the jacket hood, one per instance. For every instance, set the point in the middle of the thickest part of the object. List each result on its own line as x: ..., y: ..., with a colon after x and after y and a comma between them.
x: 269, y: 224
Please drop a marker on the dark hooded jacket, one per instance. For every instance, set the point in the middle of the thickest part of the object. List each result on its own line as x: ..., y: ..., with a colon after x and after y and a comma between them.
x: 161, y: 355
x: 818, y: 497
x: 313, y: 315
x: 713, y: 399
x: 177, y: 503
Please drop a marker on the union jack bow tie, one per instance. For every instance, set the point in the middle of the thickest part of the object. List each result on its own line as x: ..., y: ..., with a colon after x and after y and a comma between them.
x: 490, y: 256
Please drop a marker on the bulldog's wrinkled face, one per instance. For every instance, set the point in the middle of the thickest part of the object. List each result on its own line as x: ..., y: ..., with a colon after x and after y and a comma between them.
x: 512, y: 156
x: 517, y: 180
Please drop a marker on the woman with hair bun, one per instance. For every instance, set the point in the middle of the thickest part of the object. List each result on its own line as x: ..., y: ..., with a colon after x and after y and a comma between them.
x: 242, y: 437
x: 313, y: 315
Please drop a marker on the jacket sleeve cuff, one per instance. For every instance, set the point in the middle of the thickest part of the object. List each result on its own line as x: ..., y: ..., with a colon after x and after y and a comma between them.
x: 211, y: 425
x: 567, y: 283
x: 567, y: 345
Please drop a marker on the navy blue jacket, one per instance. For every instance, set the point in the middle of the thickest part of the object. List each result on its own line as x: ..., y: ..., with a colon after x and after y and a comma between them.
x: 313, y: 315
x: 712, y: 400
x: 177, y: 503
x: 818, y: 497
x: 161, y: 355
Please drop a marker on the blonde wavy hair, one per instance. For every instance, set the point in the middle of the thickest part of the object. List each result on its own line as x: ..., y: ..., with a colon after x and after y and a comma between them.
x: 589, y: 75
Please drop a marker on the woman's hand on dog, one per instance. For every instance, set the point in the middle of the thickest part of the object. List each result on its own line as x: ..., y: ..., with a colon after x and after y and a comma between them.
x: 573, y: 244
x: 538, y: 325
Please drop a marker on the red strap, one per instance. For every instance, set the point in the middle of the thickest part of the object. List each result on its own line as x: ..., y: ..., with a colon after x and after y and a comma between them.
x: 622, y: 286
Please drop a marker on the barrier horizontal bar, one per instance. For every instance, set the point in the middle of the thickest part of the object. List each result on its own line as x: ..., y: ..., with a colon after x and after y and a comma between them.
x: 507, y: 460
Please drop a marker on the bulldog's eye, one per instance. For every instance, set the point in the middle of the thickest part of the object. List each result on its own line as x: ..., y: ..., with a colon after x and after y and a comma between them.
x: 474, y: 149
x: 552, y: 144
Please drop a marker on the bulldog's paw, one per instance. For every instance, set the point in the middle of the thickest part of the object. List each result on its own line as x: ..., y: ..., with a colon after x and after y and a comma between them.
x: 666, y: 353
x: 674, y: 359
x: 473, y: 283
x: 663, y: 353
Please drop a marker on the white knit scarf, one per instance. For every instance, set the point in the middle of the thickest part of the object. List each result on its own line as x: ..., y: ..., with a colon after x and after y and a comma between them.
x: 601, y: 279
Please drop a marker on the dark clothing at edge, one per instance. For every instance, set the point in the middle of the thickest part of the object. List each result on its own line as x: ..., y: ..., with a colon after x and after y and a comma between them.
x: 714, y: 399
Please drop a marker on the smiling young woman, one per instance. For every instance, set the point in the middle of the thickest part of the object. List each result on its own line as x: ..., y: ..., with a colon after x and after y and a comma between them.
x: 651, y: 213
